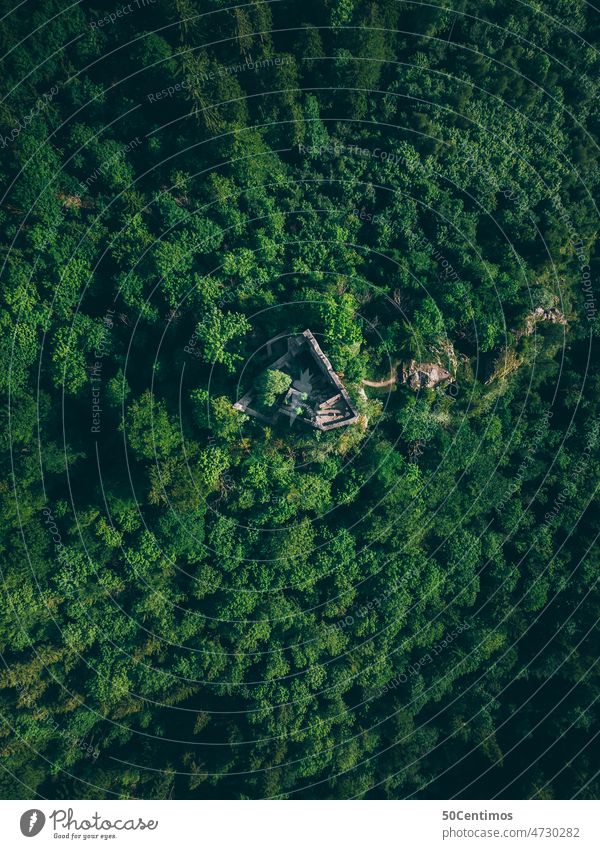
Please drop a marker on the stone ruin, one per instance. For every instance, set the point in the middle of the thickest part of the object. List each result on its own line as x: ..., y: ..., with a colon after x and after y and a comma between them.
x: 317, y: 397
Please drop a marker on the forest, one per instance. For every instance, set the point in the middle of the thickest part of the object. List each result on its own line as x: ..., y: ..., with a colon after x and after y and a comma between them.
x: 198, y: 603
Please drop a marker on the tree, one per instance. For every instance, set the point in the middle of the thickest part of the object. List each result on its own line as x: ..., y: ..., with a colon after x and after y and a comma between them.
x: 218, y: 328
x: 149, y: 430
x: 271, y: 385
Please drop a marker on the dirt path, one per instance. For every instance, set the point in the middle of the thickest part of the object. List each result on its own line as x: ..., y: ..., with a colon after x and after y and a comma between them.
x: 378, y: 383
x: 391, y: 380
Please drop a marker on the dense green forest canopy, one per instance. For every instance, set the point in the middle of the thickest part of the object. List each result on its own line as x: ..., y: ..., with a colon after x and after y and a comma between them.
x: 197, y: 605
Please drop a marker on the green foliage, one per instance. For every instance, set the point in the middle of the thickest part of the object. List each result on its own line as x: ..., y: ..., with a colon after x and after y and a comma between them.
x: 149, y: 429
x: 216, y: 330
x: 195, y: 605
x: 271, y: 385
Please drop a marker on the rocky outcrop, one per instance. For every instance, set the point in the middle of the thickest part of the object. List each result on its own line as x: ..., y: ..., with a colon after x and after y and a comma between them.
x: 425, y: 375
x: 416, y: 375
x: 508, y: 360
x: 553, y: 314
x: 444, y: 352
